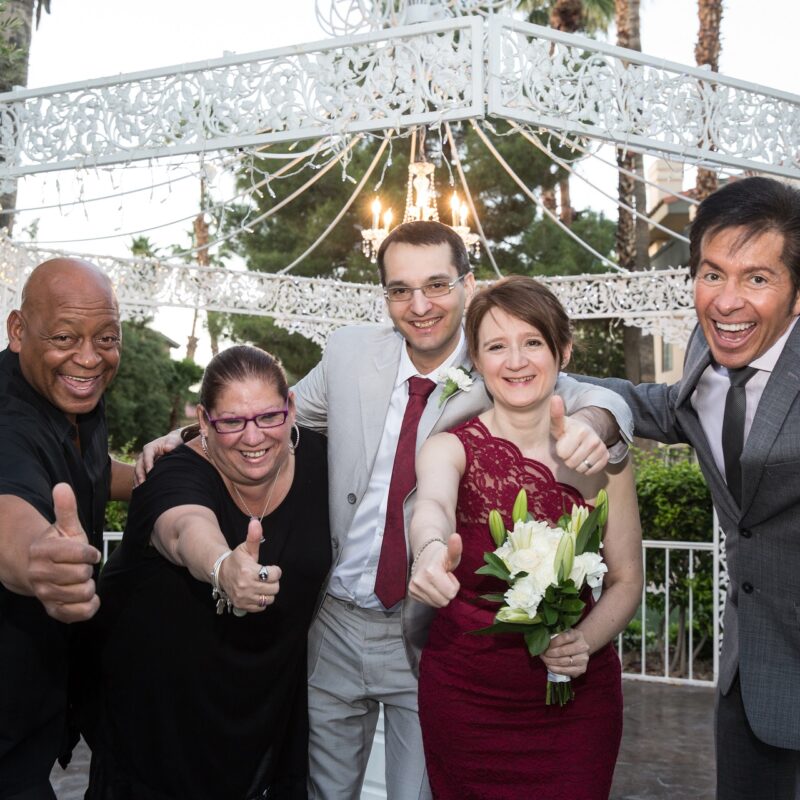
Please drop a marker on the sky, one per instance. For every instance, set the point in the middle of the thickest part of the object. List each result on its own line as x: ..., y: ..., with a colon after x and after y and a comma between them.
x: 83, y: 39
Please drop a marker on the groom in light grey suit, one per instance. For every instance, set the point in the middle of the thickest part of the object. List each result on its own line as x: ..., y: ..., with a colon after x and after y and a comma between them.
x: 362, y: 654
x: 745, y: 261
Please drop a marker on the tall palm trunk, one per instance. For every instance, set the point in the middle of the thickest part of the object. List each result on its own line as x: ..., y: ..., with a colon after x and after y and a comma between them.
x: 633, y: 232
x: 706, y: 53
x: 17, y: 34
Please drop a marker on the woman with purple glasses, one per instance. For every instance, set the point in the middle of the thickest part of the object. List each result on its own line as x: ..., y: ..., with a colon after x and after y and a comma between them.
x: 207, y: 601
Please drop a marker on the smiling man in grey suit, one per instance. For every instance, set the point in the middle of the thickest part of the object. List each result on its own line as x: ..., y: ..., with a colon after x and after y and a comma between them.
x: 738, y: 405
x: 364, y: 645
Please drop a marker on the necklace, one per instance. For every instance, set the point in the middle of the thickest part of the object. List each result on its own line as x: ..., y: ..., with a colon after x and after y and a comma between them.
x: 252, y: 516
x: 269, y: 496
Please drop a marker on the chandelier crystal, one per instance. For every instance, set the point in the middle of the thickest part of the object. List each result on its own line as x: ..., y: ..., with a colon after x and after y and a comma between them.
x: 421, y: 204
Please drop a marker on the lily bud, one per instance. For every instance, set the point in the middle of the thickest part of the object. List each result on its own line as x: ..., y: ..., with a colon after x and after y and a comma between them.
x: 497, y: 527
x: 520, y: 511
x: 602, y: 505
x: 565, y: 557
x: 518, y: 615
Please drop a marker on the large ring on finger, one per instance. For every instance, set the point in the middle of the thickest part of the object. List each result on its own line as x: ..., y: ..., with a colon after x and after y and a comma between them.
x: 262, y: 601
x: 263, y: 574
x: 588, y: 463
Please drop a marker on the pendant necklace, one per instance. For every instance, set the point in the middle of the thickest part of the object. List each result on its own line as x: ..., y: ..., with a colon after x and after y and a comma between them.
x: 266, y: 504
x: 236, y: 488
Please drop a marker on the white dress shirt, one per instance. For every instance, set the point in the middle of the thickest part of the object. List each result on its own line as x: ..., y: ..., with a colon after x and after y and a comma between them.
x: 708, y: 398
x: 353, y: 578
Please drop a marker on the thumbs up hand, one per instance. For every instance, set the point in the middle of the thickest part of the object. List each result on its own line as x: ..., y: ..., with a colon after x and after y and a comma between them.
x: 249, y: 585
x: 61, y: 561
x: 432, y: 580
x: 577, y: 445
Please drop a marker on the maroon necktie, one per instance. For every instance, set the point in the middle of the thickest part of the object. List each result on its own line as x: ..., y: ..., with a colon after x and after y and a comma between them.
x: 390, y: 582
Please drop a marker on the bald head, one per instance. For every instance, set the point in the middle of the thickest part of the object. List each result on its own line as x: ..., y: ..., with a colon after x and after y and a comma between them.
x: 67, y: 333
x: 74, y: 275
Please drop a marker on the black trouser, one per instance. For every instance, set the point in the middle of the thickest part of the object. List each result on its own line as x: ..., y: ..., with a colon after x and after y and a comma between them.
x: 747, y: 768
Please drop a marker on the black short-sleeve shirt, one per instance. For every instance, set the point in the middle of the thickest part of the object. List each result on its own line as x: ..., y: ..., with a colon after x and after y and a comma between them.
x: 37, y: 450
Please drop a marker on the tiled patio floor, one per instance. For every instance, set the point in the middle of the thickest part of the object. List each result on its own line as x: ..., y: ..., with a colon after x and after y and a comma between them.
x: 667, y: 747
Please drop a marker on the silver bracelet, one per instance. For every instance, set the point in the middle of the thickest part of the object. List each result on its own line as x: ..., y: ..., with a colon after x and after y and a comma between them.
x: 218, y: 594
x: 422, y: 550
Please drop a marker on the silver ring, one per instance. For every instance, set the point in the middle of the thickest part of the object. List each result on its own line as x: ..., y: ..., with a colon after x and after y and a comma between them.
x: 262, y: 601
x: 263, y: 574
x: 571, y: 661
x: 588, y: 463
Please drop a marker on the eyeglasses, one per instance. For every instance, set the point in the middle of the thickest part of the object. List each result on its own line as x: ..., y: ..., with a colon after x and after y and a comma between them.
x: 402, y: 294
x: 269, y: 419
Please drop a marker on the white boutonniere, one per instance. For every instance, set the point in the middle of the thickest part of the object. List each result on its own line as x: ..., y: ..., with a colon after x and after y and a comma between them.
x: 455, y: 379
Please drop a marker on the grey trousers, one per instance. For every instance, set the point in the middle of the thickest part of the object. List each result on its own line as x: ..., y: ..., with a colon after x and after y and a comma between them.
x: 357, y: 661
x: 747, y: 768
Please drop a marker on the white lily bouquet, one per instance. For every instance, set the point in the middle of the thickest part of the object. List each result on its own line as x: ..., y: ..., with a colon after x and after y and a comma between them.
x: 546, y: 569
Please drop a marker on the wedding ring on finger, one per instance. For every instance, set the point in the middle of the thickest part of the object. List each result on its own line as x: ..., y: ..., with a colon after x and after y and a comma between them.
x: 262, y: 601
x: 571, y: 660
x: 588, y: 463
x: 263, y: 574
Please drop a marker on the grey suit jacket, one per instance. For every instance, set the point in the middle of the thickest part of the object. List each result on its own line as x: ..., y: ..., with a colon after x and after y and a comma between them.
x: 347, y: 396
x: 762, y: 611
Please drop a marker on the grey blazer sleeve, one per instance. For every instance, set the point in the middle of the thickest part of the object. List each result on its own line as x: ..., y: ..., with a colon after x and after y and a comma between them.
x: 311, y: 398
x: 578, y: 395
x: 651, y: 404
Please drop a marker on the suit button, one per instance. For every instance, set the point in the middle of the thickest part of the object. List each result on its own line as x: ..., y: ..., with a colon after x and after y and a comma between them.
x: 746, y: 534
x: 747, y: 588
x: 351, y: 498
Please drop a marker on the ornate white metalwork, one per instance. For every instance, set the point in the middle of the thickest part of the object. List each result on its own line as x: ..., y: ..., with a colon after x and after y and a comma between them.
x: 421, y: 74
x: 314, y: 307
x: 565, y: 82
x: 347, y: 17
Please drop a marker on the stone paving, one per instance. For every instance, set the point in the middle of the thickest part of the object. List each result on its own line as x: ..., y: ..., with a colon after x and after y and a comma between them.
x: 667, y: 747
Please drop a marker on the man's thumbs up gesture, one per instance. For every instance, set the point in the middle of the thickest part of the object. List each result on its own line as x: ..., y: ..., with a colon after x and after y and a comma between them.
x: 61, y: 562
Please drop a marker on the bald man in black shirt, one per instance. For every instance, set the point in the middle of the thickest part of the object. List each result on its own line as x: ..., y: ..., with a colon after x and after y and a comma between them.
x: 55, y: 479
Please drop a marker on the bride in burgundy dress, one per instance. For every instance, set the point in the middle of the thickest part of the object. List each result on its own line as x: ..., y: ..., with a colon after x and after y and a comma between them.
x: 487, y: 732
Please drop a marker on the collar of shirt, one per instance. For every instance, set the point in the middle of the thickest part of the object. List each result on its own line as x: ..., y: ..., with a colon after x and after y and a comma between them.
x: 406, y: 368
x: 712, y: 388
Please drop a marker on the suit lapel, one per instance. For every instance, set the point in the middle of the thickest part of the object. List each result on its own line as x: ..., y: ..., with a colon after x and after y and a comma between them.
x: 434, y: 410
x: 376, y: 384
x: 779, y: 395
x: 698, y: 358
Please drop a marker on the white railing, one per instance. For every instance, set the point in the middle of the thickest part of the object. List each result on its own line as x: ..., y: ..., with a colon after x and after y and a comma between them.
x: 663, y: 589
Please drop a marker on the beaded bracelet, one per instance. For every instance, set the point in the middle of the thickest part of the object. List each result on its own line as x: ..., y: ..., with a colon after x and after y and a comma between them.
x: 422, y: 550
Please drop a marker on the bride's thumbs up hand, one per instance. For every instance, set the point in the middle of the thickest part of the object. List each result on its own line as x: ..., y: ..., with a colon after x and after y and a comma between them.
x: 432, y: 580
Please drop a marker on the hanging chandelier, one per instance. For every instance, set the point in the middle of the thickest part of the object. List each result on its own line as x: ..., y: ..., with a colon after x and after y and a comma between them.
x: 421, y: 196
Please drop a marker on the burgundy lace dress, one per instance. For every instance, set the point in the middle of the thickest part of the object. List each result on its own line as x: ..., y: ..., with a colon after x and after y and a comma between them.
x: 487, y: 732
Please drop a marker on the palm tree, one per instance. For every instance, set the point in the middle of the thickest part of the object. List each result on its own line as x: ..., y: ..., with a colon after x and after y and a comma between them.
x: 633, y: 233
x: 16, y: 25
x: 569, y: 16
x: 706, y: 53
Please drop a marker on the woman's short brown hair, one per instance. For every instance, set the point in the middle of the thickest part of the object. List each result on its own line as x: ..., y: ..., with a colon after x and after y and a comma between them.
x: 525, y: 299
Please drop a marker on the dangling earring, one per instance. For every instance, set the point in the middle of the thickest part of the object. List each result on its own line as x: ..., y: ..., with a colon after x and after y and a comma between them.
x: 204, y: 445
x: 293, y: 444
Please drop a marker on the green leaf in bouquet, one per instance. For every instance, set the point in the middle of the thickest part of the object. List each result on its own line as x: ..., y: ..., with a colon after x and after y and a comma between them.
x: 550, y: 594
x: 506, y: 627
x: 494, y: 566
x: 568, y: 620
x: 497, y: 527
x: 493, y: 598
x: 519, y: 513
x: 537, y: 640
x: 572, y: 605
x: 548, y: 613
